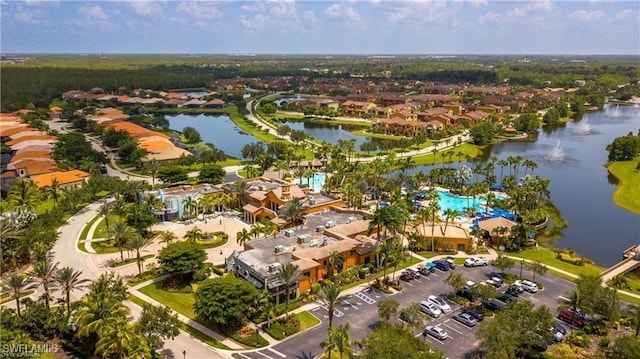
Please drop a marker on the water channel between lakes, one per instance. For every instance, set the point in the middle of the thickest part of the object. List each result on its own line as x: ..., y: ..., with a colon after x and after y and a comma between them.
x: 571, y: 156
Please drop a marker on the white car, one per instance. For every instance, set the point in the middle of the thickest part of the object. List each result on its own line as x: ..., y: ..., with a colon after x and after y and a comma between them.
x: 529, y: 286
x: 435, y: 332
x: 476, y: 262
x: 444, y: 307
x: 430, y: 308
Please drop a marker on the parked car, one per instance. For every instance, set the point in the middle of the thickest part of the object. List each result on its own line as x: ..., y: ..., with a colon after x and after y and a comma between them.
x: 442, y: 265
x: 572, y: 316
x: 465, y: 293
x: 424, y: 270
x: 451, y: 262
x: 430, y: 308
x: 506, y: 297
x: 476, y: 262
x: 444, y: 307
x: 406, y: 277
x: 436, y: 332
x: 431, y: 266
x: 414, y: 274
x: 559, y: 332
x: 514, y: 291
x: 103, y: 168
x: 494, y: 305
x: 475, y: 312
x: 465, y: 319
x: 529, y: 286
x: 516, y: 287
x: 496, y: 275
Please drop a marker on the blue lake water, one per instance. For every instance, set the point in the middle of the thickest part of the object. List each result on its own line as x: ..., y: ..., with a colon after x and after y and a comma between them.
x: 219, y: 130
x: 580, y: 186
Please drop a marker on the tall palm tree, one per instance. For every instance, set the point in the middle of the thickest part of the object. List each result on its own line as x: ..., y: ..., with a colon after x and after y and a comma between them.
x: 189, y: 206
x: 289, y: 274
x: 330, y: 296
x: 238, y: 188
x: 9, y: 230
x: 55, y: 192
x: 152, y: 167
x: 194, y: 235
x: 44, y: 272
x: 105, y: 210
x: 340, y: 340
x: 450, y: 214
x: 18, y: 284
x: 97, y: 311
x: 120, y: 233
x: 293, y: 210
x: 24, y: 195
x: 69, y: 280
x: 137, y: 243
x: 243, y: 236
x: 336, y: 261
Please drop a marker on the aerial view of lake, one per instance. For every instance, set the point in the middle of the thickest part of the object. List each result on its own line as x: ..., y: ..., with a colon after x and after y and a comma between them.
x: 219, y: 130
x: 572, y: 157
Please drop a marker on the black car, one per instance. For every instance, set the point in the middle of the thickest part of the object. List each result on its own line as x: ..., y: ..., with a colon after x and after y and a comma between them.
x: 406, y: 277
x: 506, y: 297
x: 495, y: 274
x: 514, y: 291
x: 465, y: 293
x: 442, y: 265
x: 414, y: 274
x: 494, y: 305
x: 103, y: 168
x: 474, y: 312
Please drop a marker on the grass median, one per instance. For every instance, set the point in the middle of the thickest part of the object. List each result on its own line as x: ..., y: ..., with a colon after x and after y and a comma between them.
x: 548, y: 257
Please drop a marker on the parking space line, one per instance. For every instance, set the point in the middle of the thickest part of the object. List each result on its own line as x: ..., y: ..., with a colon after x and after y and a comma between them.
x: 452, y: 328
x: 409, y: 284
x: 417, y: 280
x: 276, y: 352
x: 264, y: 355
x: 244, y: 356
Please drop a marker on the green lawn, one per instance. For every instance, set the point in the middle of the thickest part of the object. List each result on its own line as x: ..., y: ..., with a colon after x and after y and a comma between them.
x: 101, y: 229
x: 307, y: 320
x: 368, y: 133
x: 547, y: 256
x: 180, y: 302
x: 103, y: 247
x: 189, y: 330
x: 86, y: 228
x: 627, y: 193
x: 465, y: 149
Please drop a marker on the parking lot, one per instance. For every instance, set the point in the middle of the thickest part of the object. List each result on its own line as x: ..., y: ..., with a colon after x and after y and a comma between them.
x: 360, y: 311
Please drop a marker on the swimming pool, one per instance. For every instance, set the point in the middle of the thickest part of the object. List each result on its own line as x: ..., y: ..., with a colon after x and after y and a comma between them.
x: 315, y: 182
x: 459, y: 203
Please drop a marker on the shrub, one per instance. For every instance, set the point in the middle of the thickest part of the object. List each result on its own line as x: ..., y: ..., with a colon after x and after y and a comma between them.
x: 604, y: 342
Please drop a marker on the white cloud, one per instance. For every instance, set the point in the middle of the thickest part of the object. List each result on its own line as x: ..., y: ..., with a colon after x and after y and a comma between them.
x: 256, y: 23
x: 94, y: 13
x: 586, y: 15
x: 145, y: 7
x: 478, y: 3
x: 418, y: 10
x: 344, y: 13
x: 490, y: 17
x: 200, y: 9
x: 527, y: 8
x: 308, y: 19
x: 280, y: 9
x: 623, y: 13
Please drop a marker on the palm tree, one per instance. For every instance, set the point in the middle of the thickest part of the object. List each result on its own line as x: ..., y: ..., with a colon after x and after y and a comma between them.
x: 633, y: 314
x: 120, y: 233
x: 55, y: 192
x: 340, y: 340
x: 120, y: 339
x: 104, y: 211
x: 189, y: 206
x: 24, y: 195
x: 450, y: 214
x: 152, y: 167
x: 537, y: 268
x: 97, y: 311
x: 289, y: 274
x: 293, y: 210
x: 238, y: 188
x: 137, y: 243
x: 243, y: 236
x: 69, y: 280
x: 330, y: 295
x: 194, y: 235
x: 336, y: 261
x: 9, y: 229
x: 18, y: 284
x: 44, y: 272
x: 167, y: 237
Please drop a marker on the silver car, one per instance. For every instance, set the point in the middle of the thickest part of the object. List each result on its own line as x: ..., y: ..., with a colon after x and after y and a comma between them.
x: 465, y: 319
x: 436, y: 332
x: 430, y: 308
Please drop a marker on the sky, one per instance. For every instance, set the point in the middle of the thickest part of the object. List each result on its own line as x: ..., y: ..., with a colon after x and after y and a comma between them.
x: 541, y: 27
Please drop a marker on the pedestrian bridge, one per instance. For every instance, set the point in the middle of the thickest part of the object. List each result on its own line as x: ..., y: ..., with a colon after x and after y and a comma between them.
x: 630, y: 262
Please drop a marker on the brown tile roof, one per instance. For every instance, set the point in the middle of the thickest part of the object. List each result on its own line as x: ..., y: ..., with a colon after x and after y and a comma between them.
x: 320, y: 253
x: 31, y: 153
x: 34, y: 166
x: 7, y: 131
x: 52, y: 139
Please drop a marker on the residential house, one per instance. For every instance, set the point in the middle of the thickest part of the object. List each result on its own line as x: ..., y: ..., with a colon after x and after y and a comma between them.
x: 65, y: 179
